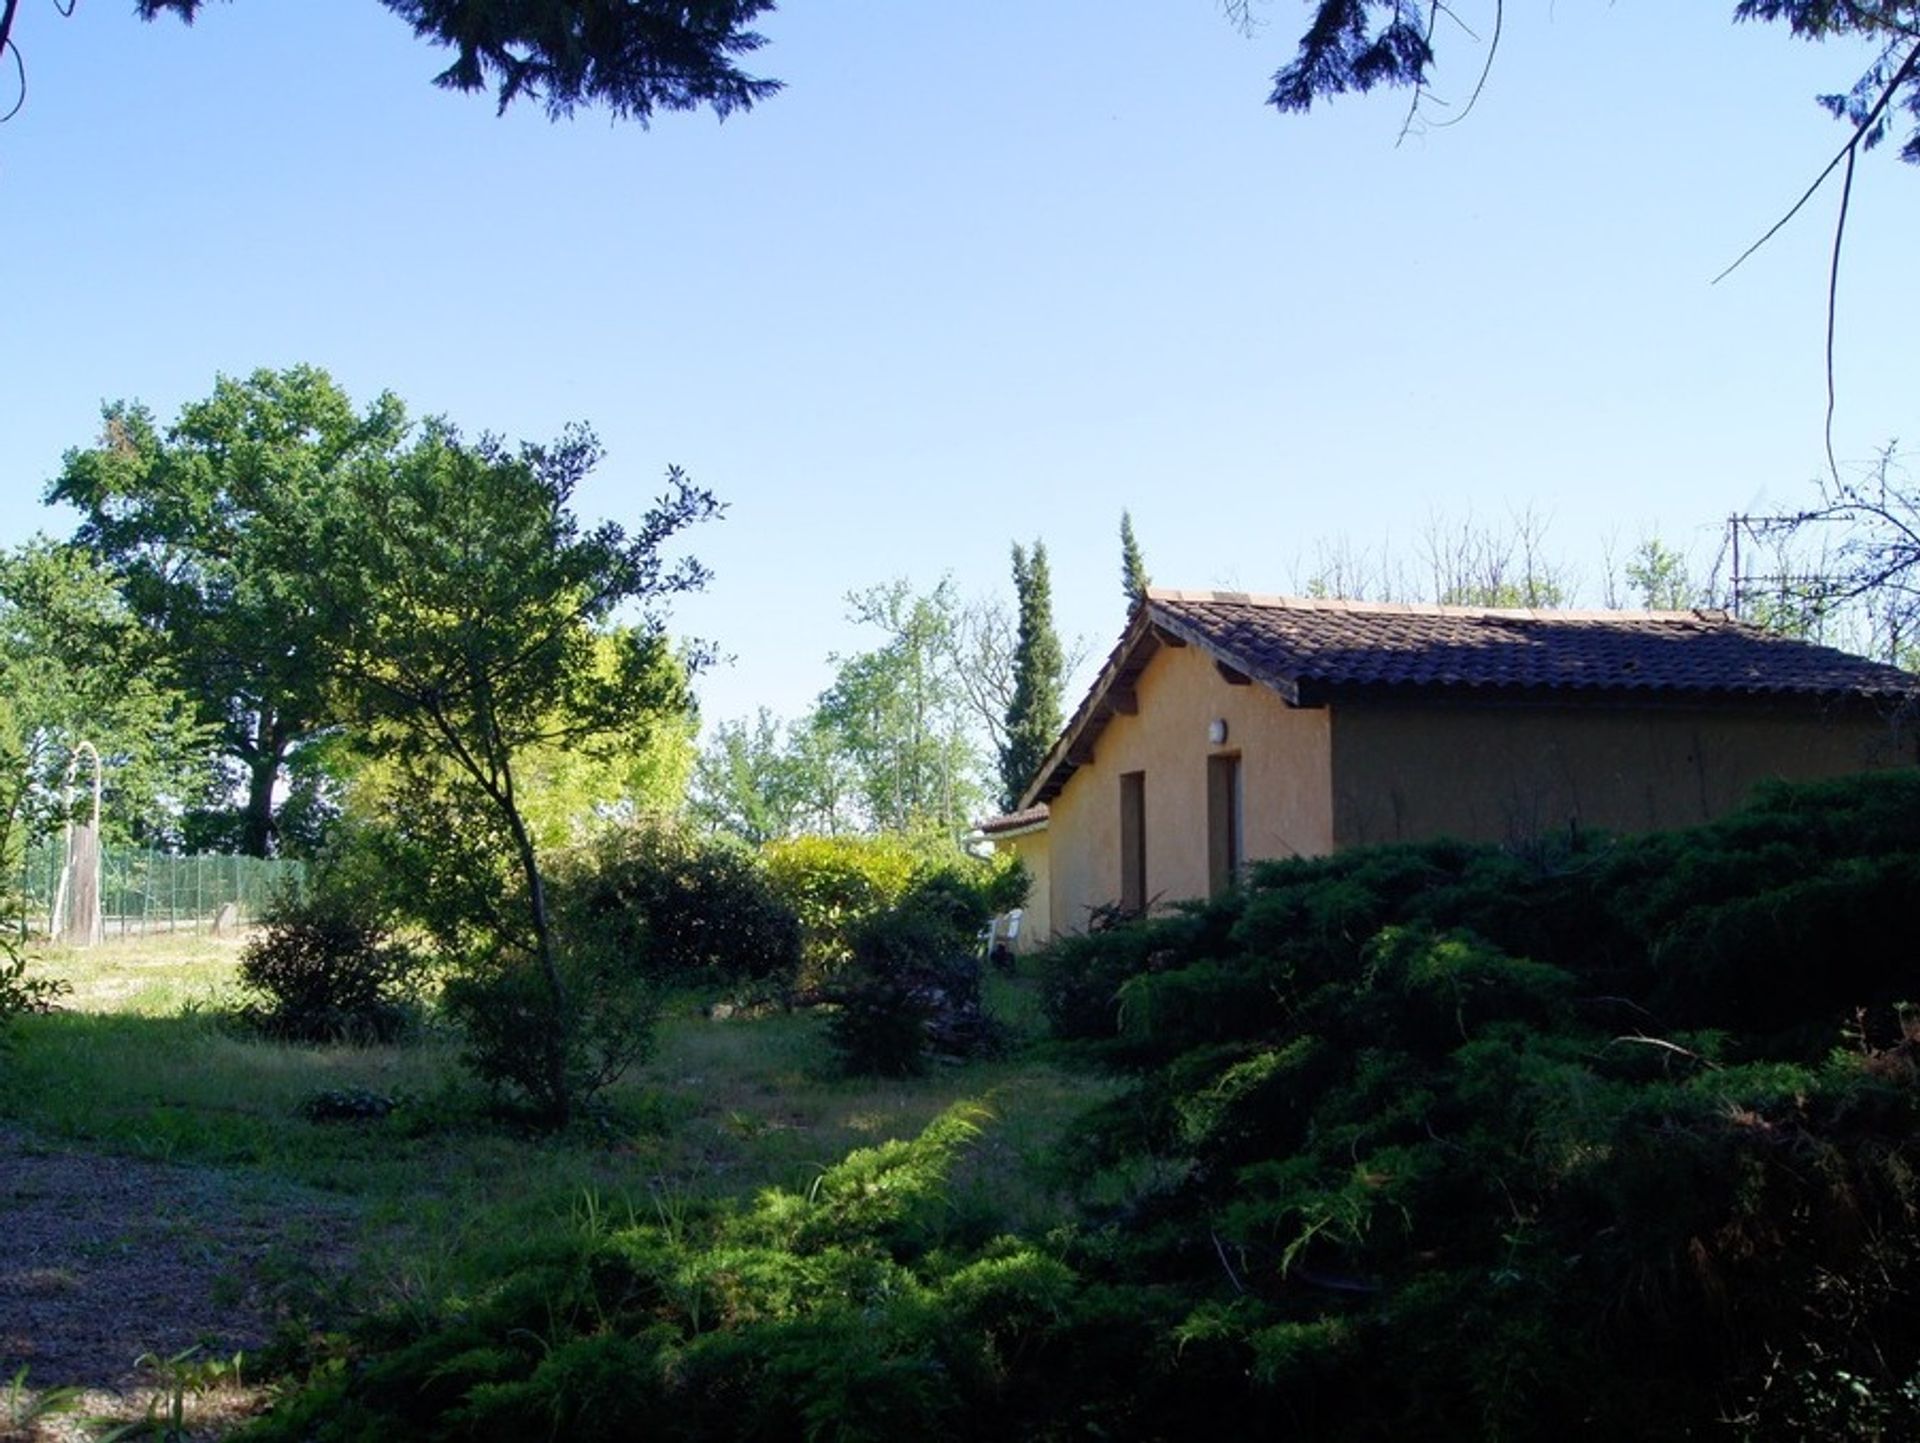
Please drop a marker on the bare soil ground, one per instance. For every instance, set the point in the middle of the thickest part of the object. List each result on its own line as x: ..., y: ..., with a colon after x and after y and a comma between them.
x: 108, y: 1260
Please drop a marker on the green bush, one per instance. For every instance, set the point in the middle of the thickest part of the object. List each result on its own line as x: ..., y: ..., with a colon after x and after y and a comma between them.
x: 325, y: 972
x: 1582, y: 1113
x: 912, y: 987
x: 516, y: 1041
x: 1428, y: 1142
x: 835, y: 885
x: 22, y: 992
x: 682, y: 908
x: 885, y: 998
x: 839, y: 1311
x: 838, y: 885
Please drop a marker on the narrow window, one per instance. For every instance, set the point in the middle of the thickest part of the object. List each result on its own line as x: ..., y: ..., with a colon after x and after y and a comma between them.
x: 1133, y: 841
x: 1223, y: 823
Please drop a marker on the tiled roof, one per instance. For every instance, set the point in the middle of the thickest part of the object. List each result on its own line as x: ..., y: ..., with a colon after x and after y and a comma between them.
x: 1304, y: 646
x: 1014, y: 821
x: 1314, y: 651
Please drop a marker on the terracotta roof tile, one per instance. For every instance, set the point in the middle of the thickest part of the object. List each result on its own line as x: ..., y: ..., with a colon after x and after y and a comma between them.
x: 1328, y: 646
x: 1312, y: 651
x: 1014, y: 821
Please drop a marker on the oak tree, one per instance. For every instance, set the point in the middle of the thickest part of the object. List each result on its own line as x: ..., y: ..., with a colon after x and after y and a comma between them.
x: 210, y: 526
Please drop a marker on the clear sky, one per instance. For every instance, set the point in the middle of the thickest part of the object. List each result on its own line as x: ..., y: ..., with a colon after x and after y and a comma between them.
x: 985, y: 271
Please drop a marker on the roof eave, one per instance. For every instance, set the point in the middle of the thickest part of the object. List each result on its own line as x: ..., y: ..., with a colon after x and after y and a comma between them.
x: 1148, y: 629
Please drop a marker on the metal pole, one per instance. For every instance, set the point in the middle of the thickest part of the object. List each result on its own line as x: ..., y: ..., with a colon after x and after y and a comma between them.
x: 1733, y: 526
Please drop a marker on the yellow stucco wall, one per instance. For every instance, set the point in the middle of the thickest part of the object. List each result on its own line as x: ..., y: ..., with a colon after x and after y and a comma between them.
x: 1353, y: 773
x: 1285, y: 770
x: 1036, y: 924
x: 1502, y: 774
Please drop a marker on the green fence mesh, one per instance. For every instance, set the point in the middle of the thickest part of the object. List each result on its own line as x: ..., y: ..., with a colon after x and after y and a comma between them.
x: 143, y: 890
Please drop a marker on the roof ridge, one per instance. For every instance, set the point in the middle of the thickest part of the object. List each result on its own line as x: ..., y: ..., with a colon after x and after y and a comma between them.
x: 1176, y: 595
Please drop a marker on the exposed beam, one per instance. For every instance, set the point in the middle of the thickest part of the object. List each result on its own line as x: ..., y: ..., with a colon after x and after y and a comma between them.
x: 1232, y: 676
x: 1124, y: 701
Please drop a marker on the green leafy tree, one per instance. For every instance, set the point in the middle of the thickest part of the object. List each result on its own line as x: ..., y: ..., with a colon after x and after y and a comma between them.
x: 474, y: 625
x: 1660, y: 578
x: 572, y: 793
x: 761, y: 780
x: 210, y: 526
x: 75, y: 667
x: 1133, y: 570
x: 632, y: 57
x: 1039, y: 673
x: 897, y: 713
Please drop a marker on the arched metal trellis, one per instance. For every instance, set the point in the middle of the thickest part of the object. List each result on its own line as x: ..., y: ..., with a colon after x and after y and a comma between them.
x: 76, y: 906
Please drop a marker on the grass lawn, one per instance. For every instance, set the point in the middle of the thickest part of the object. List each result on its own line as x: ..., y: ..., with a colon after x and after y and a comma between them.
x: 141, y: 1061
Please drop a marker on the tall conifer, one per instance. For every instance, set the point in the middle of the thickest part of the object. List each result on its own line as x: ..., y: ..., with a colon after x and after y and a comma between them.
x: 1133, y: 571
x: 1039, y: 672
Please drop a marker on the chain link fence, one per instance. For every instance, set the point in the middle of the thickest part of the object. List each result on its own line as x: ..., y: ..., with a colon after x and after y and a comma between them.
x: 144, y: 891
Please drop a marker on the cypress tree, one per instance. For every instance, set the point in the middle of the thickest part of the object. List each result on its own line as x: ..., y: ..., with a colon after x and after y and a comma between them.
x: 1039, y: 672
x: 1133, y: 571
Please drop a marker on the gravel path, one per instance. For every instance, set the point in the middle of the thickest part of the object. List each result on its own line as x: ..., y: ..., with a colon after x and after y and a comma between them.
x: 104, y: 1260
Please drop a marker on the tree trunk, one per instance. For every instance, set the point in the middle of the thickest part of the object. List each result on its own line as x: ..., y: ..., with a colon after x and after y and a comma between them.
x: 256, y: 822
x: 264, y: 753
x: 560, y: 1099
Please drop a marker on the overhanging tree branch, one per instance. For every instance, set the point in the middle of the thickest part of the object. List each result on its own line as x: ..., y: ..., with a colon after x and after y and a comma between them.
x: 1842, y: 157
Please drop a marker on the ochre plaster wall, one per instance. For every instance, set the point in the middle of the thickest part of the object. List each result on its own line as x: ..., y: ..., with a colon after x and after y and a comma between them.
x: 1486, y: 773
x: 1036, y: 922
x: 1285, y: 767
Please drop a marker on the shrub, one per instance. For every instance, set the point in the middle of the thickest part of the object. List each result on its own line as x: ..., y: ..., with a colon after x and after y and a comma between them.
x: 21, y: 992
x: 327, y: 972
x: 1393, y: 1158
x: 682, y: 908
x: 838, y: 885
x: 1081, y: 974
x: 880, y: 1026
x: 912, y: 987
x: 505, y: 1009
x: 834, y: 885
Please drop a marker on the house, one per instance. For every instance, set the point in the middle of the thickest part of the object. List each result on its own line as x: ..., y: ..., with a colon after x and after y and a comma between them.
x: 1227, y: 728
x: 1024, y: 834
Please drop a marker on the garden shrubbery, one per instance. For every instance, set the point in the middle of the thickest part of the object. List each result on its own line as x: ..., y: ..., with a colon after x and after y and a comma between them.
x: 1618, y: 1140
x: 325, y: 971
x: 539, y: 1060
x: 680, y: 907
x: 1591, y: 1142
x: 911, y: 990
x: 21, y: 991
x: 837, y: 886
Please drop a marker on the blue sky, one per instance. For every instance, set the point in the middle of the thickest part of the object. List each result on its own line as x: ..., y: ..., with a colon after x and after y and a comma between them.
x: 984, y: 272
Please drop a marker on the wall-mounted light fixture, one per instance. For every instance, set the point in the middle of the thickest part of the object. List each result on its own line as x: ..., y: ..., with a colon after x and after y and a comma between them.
x: 1217, y: 731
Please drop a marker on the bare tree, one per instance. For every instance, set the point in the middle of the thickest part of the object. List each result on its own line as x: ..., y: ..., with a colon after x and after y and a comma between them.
x: 1473, y: 564
x: 1351, y: 572
x: 1846, y: 570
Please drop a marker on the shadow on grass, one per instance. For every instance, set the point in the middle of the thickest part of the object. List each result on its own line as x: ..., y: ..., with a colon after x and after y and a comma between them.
x: 721, y: 1110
